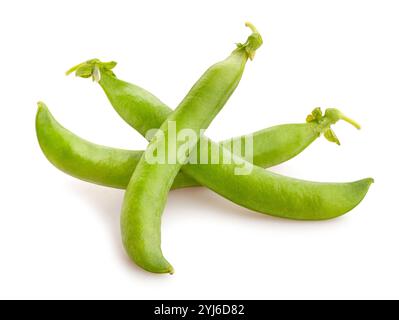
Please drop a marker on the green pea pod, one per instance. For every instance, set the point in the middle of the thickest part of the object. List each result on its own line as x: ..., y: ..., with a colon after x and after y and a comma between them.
x: 147, y: 191
x: 113, y: 167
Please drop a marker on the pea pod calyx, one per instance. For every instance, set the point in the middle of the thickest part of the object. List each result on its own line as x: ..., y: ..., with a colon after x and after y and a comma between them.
x: 331, y: 116
x: 92, y: 68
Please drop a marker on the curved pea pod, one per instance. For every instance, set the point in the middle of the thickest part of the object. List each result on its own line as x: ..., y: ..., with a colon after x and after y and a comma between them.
x: 277, y: 195
x: 114, y: 167
x: 81, y: 158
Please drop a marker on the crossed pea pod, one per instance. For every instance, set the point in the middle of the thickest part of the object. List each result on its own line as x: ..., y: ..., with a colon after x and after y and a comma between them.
x: 148, y: 184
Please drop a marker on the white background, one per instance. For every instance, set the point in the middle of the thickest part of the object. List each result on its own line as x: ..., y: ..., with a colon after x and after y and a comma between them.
x: 59, y: 237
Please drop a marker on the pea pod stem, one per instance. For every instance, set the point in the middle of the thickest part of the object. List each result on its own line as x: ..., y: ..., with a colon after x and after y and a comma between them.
x: 351, y: 121
x: 253, y: 43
